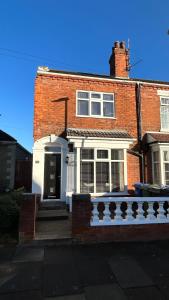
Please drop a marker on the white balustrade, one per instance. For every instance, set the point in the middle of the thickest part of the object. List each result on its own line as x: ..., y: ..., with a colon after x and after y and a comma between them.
x: 140, y: 212
x: 133, y: 214
x: 129, y: 212
x: 106, y: 213
x: 95, y: 213
x: 161, y: 211
x: 118, y: 212
x: 150, y: 213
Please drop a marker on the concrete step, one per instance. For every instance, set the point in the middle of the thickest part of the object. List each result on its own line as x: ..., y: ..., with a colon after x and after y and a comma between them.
x: 50, y: 242
x: 52, y: 205
x: 52, y: 214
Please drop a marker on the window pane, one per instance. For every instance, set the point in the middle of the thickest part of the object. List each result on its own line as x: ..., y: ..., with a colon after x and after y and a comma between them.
x: 96, y: 109
x: 87, y: 177
x: 165, y: 117
x: 83, y: 95
x: 95, y: 96
x: 87, y: 154
x: 166, y: 155
x: 108, y: 110
x: 108, y: 97
x: 53, y: 149
x: 102, y: 177
x: 156, y: 170
x: 83, y: 107
x: 156, y: 156
x: 117, y: 173
x: 165, y: 101
x: 166, y: 170
x: 102, y: 153
x: 117, y: 154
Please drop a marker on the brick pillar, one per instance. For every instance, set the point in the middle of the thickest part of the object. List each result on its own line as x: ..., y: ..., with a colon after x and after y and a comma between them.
x: 81, y: 214
x: 28, y: 217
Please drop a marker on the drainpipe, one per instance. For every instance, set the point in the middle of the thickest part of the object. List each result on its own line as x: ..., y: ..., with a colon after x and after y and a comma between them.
x: 139, y: 130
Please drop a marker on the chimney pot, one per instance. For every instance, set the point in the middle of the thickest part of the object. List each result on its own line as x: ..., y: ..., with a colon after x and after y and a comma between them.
x: 116, y: 44
x: 122, y: 45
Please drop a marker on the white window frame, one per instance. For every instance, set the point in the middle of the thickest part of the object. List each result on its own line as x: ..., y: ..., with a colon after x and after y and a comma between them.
x: 162, y: 105
x: 90, y: 100
x: 156, y: 162
x: 109, y: 160
x: 161, y: 148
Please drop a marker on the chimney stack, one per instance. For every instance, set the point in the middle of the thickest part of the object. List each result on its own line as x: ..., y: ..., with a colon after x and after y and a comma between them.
x: 119, y: 61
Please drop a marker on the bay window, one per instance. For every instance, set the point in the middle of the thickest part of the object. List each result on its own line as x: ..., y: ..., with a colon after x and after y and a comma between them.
x: 101, y: 170
x: 166, y: 166
x: 156, y: 167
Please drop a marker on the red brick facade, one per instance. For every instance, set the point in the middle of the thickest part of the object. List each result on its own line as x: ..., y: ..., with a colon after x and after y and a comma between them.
x: 55, y: 105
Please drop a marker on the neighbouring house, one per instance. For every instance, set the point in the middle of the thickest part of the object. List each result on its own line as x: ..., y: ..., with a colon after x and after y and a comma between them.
x: 99, y: 134
x: 15, y: 164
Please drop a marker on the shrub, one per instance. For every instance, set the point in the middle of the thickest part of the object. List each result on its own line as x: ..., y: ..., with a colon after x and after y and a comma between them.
x: 9, y: 213
x: 17, y: 195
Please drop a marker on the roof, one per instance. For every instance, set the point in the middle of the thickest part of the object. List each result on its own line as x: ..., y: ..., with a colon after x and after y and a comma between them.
x: 47, y: 70
x: 119, y: 134
x: 24, y: 149
x: 4, y: 137
x: 157, y: 137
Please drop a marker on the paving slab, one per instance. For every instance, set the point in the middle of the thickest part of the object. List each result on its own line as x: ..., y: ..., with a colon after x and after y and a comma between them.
x: 128, y: 272
x: 58, y: 255
x: 28, y: 254
x: 146, y: 293
x: 25, y: 276
x: 163, y: 285
x: 7, y: 272
x: 70, y: 297
x: 155, y: 266
x: 60, y: 280
x: 6, y: 253
x: 106, y: 292
x: 94, y: 272
x: 26, y: 295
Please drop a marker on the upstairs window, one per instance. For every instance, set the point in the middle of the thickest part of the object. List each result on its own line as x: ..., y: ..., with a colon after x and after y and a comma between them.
x: 164, y: 111
x: 95, y: 104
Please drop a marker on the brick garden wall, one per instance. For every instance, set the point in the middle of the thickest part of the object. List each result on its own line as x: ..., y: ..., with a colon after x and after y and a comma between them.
x: 83, y: 232
x: 28, y: 212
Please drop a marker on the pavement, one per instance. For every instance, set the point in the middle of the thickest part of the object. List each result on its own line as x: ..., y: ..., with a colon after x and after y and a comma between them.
x: 85, y: 272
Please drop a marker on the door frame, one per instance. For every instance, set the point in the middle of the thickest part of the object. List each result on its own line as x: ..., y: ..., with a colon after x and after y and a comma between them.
x: 38, y: 164
x: 60, y: 153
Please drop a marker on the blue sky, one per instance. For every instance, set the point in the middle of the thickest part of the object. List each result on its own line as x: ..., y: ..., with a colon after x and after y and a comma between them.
x: 73, y: 35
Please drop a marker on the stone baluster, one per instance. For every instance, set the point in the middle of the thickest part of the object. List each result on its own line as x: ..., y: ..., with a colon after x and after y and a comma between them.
x: 161, y: 211
x: 106, y: 213
x: 95, y: 213
x: 129, y: 212
x: 151, y: 217
x: 118, y: 212
x: 140, y: 212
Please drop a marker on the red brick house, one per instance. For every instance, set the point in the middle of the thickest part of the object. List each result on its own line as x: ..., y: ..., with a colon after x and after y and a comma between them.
x: 99, y: 134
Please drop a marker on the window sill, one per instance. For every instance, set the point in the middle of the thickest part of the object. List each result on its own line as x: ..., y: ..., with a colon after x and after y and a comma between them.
x: 164, y: 130
x: 125, y: 193
x: 95, y: 117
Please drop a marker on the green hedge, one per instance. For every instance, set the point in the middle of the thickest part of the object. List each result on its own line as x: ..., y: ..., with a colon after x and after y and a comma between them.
x: 9, y: 211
